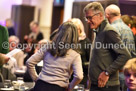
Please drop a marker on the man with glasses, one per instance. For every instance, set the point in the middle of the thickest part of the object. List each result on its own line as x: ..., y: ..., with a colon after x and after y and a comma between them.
x: 105, y: 57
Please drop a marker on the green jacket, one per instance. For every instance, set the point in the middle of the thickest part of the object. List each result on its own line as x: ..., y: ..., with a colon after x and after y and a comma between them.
x: 4, y: 40
x: 106, y: 55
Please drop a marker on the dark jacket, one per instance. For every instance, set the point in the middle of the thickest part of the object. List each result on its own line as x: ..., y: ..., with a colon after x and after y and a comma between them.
x: 11, y: 31
x: 106, y: 55
x: 39, y: 36
x: 85, y: 53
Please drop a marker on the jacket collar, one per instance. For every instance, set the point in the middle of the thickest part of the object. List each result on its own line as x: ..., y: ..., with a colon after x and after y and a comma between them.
x: 101, y: 26
x: 118, y: 20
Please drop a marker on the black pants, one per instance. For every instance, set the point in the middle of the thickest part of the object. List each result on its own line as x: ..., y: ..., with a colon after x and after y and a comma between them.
x: 44, y: 86
x: 108, y: 88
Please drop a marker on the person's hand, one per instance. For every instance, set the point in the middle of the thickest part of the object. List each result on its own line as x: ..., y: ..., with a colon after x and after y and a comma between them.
x: 25, y: 37
x: 68, y: 89
x: 3, y: 59
x: 102, y: 79
x: 88, y: 84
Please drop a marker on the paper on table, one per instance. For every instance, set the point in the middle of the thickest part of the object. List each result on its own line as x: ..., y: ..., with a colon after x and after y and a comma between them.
x: 11, y: 53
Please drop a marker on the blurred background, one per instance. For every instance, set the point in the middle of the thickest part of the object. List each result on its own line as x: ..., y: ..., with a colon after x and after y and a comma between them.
x: 51, y: 13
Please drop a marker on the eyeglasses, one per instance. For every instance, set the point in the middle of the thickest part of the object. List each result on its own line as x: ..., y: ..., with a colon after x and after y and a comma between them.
x: 90, y: 17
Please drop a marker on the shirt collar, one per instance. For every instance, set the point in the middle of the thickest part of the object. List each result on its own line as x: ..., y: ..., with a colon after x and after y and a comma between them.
x: 96, y: 30
x: 118, y: 20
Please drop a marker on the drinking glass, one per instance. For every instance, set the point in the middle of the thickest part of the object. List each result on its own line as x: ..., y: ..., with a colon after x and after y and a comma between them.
x: 7, y: 83
x: 80, y: 87
x: 21, y: 84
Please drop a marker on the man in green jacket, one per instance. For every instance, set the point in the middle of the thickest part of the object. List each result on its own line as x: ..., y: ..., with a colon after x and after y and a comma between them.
x: 4, y: 45
x: 108, y: 52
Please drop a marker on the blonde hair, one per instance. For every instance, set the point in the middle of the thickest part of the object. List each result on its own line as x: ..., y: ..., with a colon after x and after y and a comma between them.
x: 80, y: 26
x: 9, y: 22
x: 33, y: 23
x: 130, y: 65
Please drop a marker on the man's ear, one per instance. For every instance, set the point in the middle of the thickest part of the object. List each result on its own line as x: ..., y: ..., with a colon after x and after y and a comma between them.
x: 107, y: 15
x: 101, y: 14
x: 129, y: 25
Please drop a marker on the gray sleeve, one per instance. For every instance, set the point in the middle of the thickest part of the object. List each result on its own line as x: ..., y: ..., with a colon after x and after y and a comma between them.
x: 77, y: 67
x: 33, y: 60
x: 122, y: 52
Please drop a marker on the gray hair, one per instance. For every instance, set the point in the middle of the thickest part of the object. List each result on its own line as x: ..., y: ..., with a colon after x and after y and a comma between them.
x: 113, y: 10
x: 95, y: 7
x: 14, y: 38
x: 68, y: 34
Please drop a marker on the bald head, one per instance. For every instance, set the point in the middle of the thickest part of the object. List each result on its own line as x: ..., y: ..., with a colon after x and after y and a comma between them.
x: 113, y: 10
x: 112, y: 13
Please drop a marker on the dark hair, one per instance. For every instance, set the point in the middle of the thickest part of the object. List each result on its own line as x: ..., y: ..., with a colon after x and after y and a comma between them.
x: 127, y: 19
x: 134, y: 21
x: 53, y: 34
x: 67, y: 34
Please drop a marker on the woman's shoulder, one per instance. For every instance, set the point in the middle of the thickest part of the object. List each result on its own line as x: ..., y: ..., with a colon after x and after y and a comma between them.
x: 73, y: 53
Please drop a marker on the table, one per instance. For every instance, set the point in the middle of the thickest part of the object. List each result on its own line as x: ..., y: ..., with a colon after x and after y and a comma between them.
x: 27, y: 84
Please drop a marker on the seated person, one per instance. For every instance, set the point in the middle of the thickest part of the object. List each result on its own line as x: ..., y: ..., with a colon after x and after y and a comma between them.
x: 9, y: 25
x: 19, y: 56
x: 3, y: 60
x: 9, y: 69
x: 35, y: 35
x: 130, y: 74
x: 11, y: 65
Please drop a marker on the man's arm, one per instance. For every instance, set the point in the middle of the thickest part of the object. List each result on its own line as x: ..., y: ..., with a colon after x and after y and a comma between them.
x: 5, y: 40
x: 122, y: 52
x: 32, y: 61
x: 122, y: 56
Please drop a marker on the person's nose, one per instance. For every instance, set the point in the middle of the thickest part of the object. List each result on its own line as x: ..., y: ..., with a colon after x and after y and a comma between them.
x: 88, y: 21
x: 131, y: 77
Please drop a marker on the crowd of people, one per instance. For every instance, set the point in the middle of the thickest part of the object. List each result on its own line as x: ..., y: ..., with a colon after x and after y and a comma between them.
x: 10, y: 48
x: 69, y: 58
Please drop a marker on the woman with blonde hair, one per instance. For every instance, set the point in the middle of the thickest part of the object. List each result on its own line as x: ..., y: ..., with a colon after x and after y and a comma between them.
x: 85, y: 48
x: 130, y: 74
